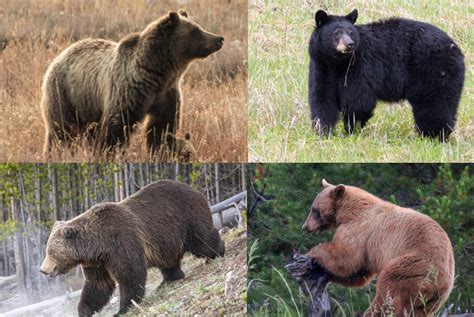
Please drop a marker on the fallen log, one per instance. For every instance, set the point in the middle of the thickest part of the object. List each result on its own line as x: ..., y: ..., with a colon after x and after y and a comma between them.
x: 34, y: 308
x: 7, y: 280
x: 313, y: 280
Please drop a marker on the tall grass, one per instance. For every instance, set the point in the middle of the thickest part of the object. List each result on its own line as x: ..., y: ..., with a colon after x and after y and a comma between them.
x: 33, y: 32
x: 279, y: 120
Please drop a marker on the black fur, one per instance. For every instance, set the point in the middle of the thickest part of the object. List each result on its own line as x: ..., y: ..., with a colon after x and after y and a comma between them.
x: 391, y: 60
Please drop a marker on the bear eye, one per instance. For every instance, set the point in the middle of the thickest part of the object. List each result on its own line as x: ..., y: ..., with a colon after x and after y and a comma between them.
x: 316, y: 213
x: 337, y: 32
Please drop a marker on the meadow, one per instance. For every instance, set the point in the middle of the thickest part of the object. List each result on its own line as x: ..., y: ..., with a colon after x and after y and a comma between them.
x: 33, y: 32
x: 279, y: 120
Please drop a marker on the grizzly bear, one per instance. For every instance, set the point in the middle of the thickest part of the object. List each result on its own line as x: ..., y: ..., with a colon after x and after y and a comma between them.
x: 117, y: 242
x: 408, y: 252
x: 354, y: 66
x: 102, y: 89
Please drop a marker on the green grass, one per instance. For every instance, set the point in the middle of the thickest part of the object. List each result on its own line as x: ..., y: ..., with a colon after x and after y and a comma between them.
x: 279, y: 124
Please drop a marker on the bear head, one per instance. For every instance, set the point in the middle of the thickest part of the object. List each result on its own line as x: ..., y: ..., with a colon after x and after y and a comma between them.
x: 323, y: 211
x: 335, y: 36
x: 61, y: 250
x: 186, y: 39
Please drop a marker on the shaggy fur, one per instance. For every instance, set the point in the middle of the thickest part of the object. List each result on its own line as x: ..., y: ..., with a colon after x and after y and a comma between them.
x: 116, y: 242
x: 103, y: 89
x: 352, y: 67
x: 410, y: 254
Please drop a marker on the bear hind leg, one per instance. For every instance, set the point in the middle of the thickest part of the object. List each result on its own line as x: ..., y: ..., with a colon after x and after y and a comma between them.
x: 208, y: 247
x: 435, y: 117
x: 408, y: 286
x: 172, y: 274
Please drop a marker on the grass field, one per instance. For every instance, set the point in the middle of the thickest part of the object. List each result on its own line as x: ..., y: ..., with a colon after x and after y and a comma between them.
x: 33, y: 32
x: 279, y: 122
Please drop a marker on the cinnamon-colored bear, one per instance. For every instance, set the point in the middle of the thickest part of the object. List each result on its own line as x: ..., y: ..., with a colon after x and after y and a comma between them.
x: 408, y: 252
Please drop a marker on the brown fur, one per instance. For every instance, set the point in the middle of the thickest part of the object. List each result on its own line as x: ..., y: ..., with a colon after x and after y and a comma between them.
x: 410, y: 254
x: 116, y: 242
x: 102, y: 89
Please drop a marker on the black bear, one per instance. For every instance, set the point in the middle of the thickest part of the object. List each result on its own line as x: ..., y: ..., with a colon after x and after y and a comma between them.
x: 354, y: 66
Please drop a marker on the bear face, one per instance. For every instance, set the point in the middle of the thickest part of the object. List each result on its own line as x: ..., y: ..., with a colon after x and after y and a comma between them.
x: 323, y: 211
x: 61, y: 254
x: 335, y: 36
x: 187, y: 40
x: 190, y: 40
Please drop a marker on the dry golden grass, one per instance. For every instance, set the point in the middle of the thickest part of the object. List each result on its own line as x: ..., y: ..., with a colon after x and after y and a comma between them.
x: 33, y: 32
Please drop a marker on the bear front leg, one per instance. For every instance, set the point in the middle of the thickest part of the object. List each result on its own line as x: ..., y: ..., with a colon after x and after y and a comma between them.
x: 113, y: 133
x: 132, y: 281
x: 333, y: 258
x: 163, y: 120
x: 322, y: 97
x: 96, y: 291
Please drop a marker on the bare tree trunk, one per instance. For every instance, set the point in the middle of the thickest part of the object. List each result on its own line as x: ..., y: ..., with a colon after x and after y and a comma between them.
x: 6, y: 258
x: 117, y: 187
x: 133, y: 182
x: 126, y: 180
x: 176, y: 171
x: 86, y: 183
x: 206, y: 183
x: 53, y: 202
x: 243, y: 171
x: 39, y: 213
x: 216, y: 181
x: 122, y: 184
x: 53, y: 196
x: 142, y: 175
x: 19, y: 252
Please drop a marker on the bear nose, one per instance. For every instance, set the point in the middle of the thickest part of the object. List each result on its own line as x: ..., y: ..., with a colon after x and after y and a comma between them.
x: 43, y: 272
x: 304, y: 228
x: 220, y: 41
x: 350, y: 46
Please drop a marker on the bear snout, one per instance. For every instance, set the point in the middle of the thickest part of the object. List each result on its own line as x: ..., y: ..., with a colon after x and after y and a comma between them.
x: 48, y: 267
x: 220, y: 42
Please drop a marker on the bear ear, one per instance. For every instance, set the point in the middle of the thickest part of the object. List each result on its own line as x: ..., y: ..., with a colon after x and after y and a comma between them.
x: 352, y: 17
x: 173, y: 18
x: 183, y: 13
x: 70, y: 233
x: 338, y: 191
x: 321, y: 18
x: 325, y: 184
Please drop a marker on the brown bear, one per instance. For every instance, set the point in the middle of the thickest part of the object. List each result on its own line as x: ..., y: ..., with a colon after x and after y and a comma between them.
x: 116, y: 242
x: 102, y: 89
x: 408, y: 252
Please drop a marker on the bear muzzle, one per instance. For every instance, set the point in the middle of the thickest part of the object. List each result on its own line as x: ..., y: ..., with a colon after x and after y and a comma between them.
x: 49, y: 268
x: 219, y: 42
x: 345, y: 45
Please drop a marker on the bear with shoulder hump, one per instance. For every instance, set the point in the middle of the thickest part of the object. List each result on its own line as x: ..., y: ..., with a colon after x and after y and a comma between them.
x: 102, y: 89
x: 408, y: 252
x: 117, y: 242
x: 354, y: 66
